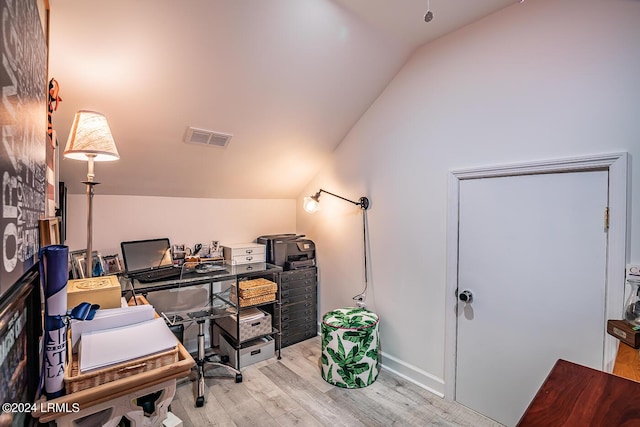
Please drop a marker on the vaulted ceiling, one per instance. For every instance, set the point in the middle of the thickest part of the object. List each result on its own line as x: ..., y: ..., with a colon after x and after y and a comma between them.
x: 287, y: 78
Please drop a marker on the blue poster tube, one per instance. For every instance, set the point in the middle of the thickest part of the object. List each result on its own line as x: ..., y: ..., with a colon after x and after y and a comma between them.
x: 54, y: 274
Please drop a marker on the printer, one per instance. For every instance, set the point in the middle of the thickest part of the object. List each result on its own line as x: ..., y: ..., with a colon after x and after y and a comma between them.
x: 289, y: 251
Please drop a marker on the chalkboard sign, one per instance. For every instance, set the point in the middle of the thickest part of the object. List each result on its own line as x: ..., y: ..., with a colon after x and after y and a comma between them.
x: 23, y: 118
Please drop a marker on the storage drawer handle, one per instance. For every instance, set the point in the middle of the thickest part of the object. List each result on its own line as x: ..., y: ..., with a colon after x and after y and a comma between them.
x: 249, y: 251
x: 255, y: 324
x: 128, y: 368
x: 249, y: 258
x: 254, y: 352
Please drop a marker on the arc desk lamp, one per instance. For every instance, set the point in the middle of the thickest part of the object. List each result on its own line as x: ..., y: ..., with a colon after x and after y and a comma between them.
x: 311, y: 204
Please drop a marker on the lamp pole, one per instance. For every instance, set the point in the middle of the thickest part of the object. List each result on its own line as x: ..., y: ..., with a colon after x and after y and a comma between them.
x: 90, y: 183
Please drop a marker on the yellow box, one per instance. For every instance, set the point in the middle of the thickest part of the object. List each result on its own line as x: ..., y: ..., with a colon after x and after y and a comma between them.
x: 104, y: 291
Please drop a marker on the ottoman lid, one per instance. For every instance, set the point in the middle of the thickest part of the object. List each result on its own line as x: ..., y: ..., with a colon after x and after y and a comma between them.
x: 350, y: 318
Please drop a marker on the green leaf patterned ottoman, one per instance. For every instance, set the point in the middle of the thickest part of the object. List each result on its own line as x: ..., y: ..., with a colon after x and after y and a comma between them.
x: 350, y: 347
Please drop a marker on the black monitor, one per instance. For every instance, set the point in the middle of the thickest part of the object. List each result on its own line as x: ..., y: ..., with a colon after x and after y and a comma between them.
x: 144, y: 255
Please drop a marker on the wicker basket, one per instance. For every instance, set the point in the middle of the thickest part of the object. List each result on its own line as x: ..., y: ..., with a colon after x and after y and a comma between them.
x: 76, y: 381
x: 257, y: 287
x: 246, y: 302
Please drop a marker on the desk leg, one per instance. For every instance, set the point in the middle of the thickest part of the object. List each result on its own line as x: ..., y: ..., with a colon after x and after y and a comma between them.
x: 124, y: 406
x: 137, y: 417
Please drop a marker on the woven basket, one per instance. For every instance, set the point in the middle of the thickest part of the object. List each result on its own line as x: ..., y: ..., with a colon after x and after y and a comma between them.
x: 246, y: 302
x: 76, y: 381
x: 257, y: 287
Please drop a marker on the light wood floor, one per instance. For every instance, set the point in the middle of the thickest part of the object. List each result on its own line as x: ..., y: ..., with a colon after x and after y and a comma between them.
x: 291, y: 392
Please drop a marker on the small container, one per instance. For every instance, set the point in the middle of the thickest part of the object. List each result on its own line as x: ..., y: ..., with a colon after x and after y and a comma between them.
x: 251, y: 352
x: 632, y: 307
x: 253, y: 323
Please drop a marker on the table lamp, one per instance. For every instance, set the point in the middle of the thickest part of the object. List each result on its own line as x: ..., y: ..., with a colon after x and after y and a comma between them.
x: 90, y: 139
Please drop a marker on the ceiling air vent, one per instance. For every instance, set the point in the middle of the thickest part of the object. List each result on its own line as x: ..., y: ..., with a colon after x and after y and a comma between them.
x: 206, y: 137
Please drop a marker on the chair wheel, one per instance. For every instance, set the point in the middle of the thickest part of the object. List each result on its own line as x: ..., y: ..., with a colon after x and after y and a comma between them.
x: 224, y: 358
x: 199, y: 401
x: 238, y: 378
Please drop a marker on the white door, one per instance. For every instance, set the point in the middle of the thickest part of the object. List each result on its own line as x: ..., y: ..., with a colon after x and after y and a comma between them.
x: 532, y: 251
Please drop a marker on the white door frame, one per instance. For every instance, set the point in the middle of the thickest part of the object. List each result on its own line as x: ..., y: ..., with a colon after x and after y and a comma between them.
x: 617, y: 164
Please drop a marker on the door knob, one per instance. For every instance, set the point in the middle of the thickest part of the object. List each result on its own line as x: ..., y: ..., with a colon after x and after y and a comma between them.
x: 466, y: 296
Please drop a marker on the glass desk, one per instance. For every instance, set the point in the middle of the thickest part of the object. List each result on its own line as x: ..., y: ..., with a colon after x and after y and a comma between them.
x: 220, y: 304
x: 193, y: 276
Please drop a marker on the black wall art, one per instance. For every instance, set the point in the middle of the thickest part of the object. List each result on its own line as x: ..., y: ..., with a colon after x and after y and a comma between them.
x: 23, y: 137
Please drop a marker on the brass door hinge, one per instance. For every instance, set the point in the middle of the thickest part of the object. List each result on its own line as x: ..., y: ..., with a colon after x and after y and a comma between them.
x: 606, y: 218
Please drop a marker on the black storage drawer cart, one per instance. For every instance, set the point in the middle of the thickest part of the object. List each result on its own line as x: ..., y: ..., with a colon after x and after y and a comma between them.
x: 299, y: 299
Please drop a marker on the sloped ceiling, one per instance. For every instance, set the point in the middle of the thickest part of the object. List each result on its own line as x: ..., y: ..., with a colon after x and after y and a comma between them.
x: 287, y: 78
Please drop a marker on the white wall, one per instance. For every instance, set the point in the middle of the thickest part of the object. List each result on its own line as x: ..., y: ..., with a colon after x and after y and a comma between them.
x: 182, y: 220
x: 539, y: 80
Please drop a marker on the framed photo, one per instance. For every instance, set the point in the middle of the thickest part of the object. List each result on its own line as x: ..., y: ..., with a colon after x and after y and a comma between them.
x: 180, y: 251
x: 215, y: 250
x: 79, y: 267
x: 112, y: 264
x: 49, y: 231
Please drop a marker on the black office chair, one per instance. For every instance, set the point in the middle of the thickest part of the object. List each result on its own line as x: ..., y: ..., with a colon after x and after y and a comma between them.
x: 203, y: 360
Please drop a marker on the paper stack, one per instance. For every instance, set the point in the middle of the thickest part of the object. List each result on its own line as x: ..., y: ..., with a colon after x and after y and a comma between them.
x: 99, y: 349
x: 110, y: 318
x: 250, y: 315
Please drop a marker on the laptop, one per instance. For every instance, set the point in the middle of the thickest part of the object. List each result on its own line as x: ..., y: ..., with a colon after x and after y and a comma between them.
x: 149, y: 260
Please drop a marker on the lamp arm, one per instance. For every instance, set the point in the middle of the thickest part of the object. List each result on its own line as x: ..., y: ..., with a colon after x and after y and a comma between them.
x: 363, y: 202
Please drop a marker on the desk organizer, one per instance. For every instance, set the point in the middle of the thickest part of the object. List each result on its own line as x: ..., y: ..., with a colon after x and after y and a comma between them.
x: 244, y: 253
x: 75, y: 381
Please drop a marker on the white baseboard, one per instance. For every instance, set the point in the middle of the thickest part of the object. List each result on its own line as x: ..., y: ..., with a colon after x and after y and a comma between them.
x: 413, y: 374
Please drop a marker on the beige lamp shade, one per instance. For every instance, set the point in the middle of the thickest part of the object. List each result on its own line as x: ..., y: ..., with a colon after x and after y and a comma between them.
x: 90, y: 136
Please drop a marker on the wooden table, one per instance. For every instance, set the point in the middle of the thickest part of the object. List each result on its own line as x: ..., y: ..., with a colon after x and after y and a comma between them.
x: 574, y: 395
x: 118, y: 394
